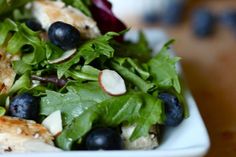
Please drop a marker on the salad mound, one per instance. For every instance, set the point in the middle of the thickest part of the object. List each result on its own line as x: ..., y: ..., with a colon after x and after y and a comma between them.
x: 65, y: 65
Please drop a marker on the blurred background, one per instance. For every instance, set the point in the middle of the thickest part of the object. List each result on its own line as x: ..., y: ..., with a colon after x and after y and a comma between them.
x: 205, y: 33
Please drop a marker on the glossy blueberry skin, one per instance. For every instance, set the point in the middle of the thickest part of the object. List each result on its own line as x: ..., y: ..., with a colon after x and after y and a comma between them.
x: 64, y: 35
x: 33, y: 25
x: 24, y: 106
x: 103, y: 139
x: 203, y: 23
x: 173, y: 13
x: 173, y: 109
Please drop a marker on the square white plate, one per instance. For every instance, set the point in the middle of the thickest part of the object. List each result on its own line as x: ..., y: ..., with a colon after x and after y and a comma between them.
x: 189, y: 139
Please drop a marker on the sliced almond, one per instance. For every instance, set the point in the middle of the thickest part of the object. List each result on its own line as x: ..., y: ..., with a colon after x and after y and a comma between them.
x: 53, y: 123
x: 111, y: 82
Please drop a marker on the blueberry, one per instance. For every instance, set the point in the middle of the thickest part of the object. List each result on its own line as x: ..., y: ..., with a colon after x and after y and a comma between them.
x: 24, y: 106
x: 151, y: 17
x: 203, y: 22
x: 173, y: 13
x: 33, y: 25
x: 228, y: 18
x: 173, y: 110
x: 64, y: 35
x: 103, y: 139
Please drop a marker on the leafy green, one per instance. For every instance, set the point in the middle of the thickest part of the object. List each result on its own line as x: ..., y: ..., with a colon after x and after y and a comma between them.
x: 143, y: 85
x: 181, y: 97
x: 52, y: 51
x: 116, y: 110
x: 112, y: 112
x: 139, y: 50
x: 97, y: 47
x: 79, y: 127
x: 2, y: 111
x: 89, y: 91
x: 90, y: 70
x: 21, y: 36
x: 9, y: 5
x: 114, y: 105
x: 64, y: 67
x: 134, y: 66
x: 23, y: 83
x: 20, y: 67
x: 163, y: 71
x: 91, y: 50
x: 3, y: 98
x: 82, y: 5
x: 21, y: 14
x: 86, y: 72
x: 148, y: 116
x: 73, y: 103
x: 5, y: 27
x: 70, y: 104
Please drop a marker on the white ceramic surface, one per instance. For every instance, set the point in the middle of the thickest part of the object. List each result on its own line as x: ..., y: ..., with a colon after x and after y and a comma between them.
x: 189, y: 139
x: 137, y: 8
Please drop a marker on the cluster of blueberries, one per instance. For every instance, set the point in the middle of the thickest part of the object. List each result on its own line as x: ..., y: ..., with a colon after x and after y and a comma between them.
x: 203, y: 20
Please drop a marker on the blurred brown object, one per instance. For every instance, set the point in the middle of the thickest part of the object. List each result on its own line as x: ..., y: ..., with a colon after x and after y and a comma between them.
x: 210, y: 70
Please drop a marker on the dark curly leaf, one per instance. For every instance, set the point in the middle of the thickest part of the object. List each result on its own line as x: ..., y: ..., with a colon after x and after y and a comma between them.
x: 9, y: 5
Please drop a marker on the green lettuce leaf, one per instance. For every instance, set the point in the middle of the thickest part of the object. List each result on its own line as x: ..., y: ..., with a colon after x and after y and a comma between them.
x: 3, y: 98
x: 5, y: 28
x: 97, y: 47
x: 20, y: 67
x: 83, y: 123
x: 130, y: 76
x: 148, y: 117
x: 163, y: 71
x: 2, y: 111
x: 22, y: 35
x: 134, y: 65
x: 73, y: 103
x: 23, y: 83
x: 112, y: 106
x: 85, y: 73
x: 113, y: 112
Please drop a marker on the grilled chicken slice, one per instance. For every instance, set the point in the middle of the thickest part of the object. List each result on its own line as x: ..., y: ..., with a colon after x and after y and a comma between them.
x: 146, y: 143
x: 7, y: 74
x: 48, y: 12
x: 18, y: 135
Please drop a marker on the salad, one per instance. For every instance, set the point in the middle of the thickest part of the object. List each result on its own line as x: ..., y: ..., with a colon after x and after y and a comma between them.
x: 69, y: 80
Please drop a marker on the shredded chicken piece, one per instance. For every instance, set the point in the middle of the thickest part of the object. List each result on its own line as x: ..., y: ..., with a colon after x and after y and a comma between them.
x: 18, y: 135
x: 7, y: 74
x: 47, y: 12
x: 148, y: 142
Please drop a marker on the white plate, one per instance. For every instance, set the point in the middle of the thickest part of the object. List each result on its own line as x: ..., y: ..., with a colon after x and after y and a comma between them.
x: 189, y: 139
